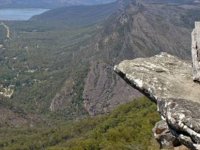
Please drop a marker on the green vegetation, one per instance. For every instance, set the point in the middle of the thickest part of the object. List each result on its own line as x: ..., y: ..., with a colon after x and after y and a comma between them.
x: 2, y: 33
x: 38, y: 60
x: 43, y: 54
x: 126, y: 128
x: 48, y: 57
x: 50, y: 49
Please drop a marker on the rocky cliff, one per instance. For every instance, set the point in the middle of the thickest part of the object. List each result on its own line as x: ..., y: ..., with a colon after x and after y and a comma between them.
x: 103, y: 91
x: 167, y: 81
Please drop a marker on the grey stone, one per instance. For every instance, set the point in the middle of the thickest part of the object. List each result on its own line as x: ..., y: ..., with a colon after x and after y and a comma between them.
x: 196, y: 52
x: 167, y: 81
x: 164, y: 137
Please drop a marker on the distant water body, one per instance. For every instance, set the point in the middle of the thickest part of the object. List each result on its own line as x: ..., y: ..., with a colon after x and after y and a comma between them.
x: 20, y: 14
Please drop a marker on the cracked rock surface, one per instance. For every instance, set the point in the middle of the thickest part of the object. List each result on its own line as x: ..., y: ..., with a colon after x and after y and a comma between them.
x: 168, y: 81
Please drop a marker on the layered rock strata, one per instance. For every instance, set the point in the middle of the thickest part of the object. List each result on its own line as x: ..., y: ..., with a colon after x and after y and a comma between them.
x: 167, y: 81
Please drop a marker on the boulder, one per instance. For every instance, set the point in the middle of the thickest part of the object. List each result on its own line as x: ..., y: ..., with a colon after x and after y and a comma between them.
x: 164, y: 137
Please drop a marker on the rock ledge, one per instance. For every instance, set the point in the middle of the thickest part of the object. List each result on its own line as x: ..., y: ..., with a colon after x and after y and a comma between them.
x: 168, y: 81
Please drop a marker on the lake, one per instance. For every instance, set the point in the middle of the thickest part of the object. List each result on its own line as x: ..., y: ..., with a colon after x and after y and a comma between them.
x: 20, y: 14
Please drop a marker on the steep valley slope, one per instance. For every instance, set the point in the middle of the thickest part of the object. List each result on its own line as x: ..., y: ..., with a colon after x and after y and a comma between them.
x: 136, y: 30
x: 57, y: 70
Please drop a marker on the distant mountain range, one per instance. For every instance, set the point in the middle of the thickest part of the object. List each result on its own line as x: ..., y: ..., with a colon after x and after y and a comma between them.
x: 48, y: 3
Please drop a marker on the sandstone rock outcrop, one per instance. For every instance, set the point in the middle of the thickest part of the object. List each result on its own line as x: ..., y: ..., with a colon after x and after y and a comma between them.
x: 167, y: 80
x: 196, y: 52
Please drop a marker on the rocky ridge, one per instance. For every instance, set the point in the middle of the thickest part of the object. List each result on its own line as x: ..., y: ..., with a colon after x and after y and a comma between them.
x: 167, y: 80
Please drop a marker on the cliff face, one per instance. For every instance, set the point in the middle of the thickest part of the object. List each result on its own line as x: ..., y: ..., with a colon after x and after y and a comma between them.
x: 103, y: 90
x: 167, y: 80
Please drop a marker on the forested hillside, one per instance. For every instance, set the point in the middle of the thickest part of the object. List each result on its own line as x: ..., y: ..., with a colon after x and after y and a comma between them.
x: 78, y: 15
x: 64, y: 66
x: 58, y: 67
x: 127, y: 127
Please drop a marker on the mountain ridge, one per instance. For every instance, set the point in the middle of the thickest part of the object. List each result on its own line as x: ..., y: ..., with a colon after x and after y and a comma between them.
x: 48, y: 3
x: 73, y: 77
x: 75, y: 15
x: 63, y: 70
x: 131, y: 31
